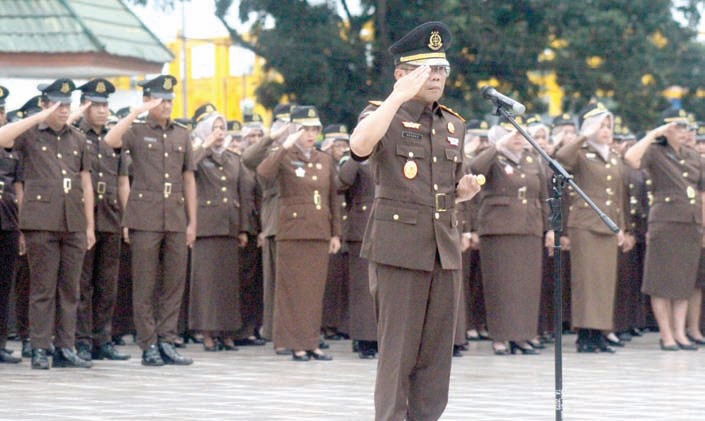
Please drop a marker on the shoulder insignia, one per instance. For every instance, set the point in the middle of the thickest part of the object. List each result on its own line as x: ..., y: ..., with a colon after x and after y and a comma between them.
x: 376, y: 103
x: 452, y: 112
x: 176, y: 123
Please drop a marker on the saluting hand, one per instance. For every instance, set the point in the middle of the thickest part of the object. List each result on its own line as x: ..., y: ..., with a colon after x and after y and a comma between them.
x: 214, y: 135
x: 334, y: 245
x: 410, y: 84
x: 44, y: 114
x: 75, y: 116
x: 146, y: 106
x: 292, y: 139
x: 280, y: 131
x: 467, y: 188
x: 663, y: 129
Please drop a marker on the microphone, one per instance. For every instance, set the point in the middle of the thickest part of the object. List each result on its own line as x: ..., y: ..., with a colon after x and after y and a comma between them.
x: 490, y: 93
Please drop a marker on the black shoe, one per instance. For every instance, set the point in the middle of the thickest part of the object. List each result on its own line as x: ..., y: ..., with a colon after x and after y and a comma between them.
x: 456, y: 351
x: 319, y: 357
x: 624, y: 336
x: 26, y: 349
x: 83, y: 350
x: 636, y: 332
x: 548, y: 338
x: 118, y: 340
x: 213, y: 348
x: 40, y: 359
x: 355, y: 345
x: 171, y: 356
x: 67, y: 357
x: 536, y: 344
x: 295, y: 357
x: 107, y: 351
x: 332, y: 337
x: 696, y: 341
x: 180, y: 343
x: 7, y: 358
x: 586, y: 348
x: 687, y: 347
x: 151, y: 357
x: 484, y: 335
x: 525, y: 350
x: 323, y: 345
x: 283, y: 351
x: 368, y: 354
x: 610, y: 341
x: 668, y: 347
x: 249, y: 342
x: 499, y: 350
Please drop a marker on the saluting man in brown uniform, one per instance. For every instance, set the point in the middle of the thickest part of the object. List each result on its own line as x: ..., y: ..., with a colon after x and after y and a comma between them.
x: 56, y: 219
x: 161, y: 216
x: 412, y: 239
x: 102, y: 262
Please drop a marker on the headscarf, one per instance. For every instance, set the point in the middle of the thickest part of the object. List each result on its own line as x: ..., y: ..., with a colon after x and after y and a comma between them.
x: 204, y: 129
x: 589, y: 124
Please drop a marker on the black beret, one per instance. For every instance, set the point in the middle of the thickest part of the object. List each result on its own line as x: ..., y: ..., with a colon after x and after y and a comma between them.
x: 97, y: 90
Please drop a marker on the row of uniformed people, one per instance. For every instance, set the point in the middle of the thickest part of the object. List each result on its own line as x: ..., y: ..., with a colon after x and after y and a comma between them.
x: 605, y: 279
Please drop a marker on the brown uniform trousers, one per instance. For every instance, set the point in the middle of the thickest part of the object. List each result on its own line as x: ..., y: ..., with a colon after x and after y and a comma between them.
x: 309, y: 215
x: 54, y: 224
x: 675, y: 221
x: 511, y: 223
x: 10, y: 173
x: 593, y: 247
x: 251, y: 158
x: 102, y: 262
x: 156, y: 217
x: 356, y: 179
x: 413, y: 245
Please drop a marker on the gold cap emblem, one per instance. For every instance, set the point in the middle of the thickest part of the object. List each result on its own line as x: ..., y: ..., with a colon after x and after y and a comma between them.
x: 435, y: 42
x: 311, y: 113
x: 2, y: 92
x: 100, y: 87
x: 566, y: 116
x: 65, y: 88
x: 209, y: 108
x: 343, y: 129
x: 167, y: 83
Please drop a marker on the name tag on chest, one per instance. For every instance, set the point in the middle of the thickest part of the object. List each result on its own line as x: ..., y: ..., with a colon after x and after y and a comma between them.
x: 150, y: 139
x: 412, y: 135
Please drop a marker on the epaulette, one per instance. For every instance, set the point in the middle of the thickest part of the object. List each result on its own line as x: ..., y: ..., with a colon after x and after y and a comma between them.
x: 452, y: 112
x: 139, y: 121
x: 376, y: 103
x: 176, y: 123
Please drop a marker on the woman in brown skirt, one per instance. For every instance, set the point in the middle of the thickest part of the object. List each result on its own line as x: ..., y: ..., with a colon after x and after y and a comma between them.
x: 593, y: 247
x: 674, y: 226
x: 511, y: 223
x: 308, y: 230
x: 222, y: 215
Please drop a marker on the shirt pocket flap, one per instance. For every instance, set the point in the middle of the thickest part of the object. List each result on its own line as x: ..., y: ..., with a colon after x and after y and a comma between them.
x: 498, y: 200
x: 409, y: 151
x: 404, y: 215
x: 452, y: 154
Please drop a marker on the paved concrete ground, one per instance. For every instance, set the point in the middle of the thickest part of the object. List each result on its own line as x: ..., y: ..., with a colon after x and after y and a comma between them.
x: 640, y: 382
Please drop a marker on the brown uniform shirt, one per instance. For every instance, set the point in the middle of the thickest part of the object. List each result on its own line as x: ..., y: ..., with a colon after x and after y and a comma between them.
x: 10, y: 173
x: 356, y: 179
x: 676, y: 182
x: 160, y: 156
x: 269, y: 209
x: 416, y: 165
x: 106, y: 166
x: 514, y: 198
x: 308, y: 196
x: 52, y: 163
x: 224, y: 204
x: 602, y: 180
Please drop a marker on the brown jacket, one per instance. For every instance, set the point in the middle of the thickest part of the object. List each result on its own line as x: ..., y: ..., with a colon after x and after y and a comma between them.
x: 676, y: 183
x: 356, y: 179
x: 308, y: 196
x: 160, y: 156
x: 52, y: 164
x: 269, y: 210
x: 602, y: 180
x: 106, y: 166
x: 514, y: 198
x: 223, y: 201
x: 10, y: 173
x: 413, y: 218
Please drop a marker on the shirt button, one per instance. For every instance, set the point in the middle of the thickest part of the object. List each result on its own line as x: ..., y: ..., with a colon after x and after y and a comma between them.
x: 220, y: 168
x: 100, y: 174
x: 149, y: 146
x: 523, y: 201
x: 39, y: 197
x: 44, y: 148
x: 166, y: 154
x: 437, y: 215
x: 58, y: 137
x: 608, y: 166
x: 63, y: 172
x: 139, y: 195
x: 411, y: 154
x: 310, y: 165
x: 345, y: 217
x: 608, y: 203
x: 223, y: 178
x: 435, y: 159
x: 668, y: 199
x: 314, y: 178
x: 682, y: 161
x: 208, y: 202
x: 685, y: 174
x: 395, y: 217
x: 435, y: 187
x: 318, y: 207
x: 164, y: 135
x: 166, y: 175
x: 433, y: 131
x: 523, y: 175
x: 609, y: 178
x: 100, y: 156
x: 364, y: 207
x: 294, y: 214
x: 223, y: 188
x: 692, y: 201
x: 58, y: 155
x: 225, y: 200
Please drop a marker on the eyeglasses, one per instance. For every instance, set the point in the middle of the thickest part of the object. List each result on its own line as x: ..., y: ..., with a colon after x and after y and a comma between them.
x: 440, y: 69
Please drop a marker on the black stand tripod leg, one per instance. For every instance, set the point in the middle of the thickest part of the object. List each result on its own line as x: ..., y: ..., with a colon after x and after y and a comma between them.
x: 556, y: 225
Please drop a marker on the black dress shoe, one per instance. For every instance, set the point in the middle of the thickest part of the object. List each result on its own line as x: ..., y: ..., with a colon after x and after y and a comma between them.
x: 26, y: 349
x: 295, y: 357
x: 67, y: 357
x: 282, y: 351
x: 171, y: 356
x: 107, y: 351
x: 515, y: 347
x: 687, y: 347
x: 7, y: 358
x: 83, y: 350
x: 249, y: 342
x: 456, y: 351
x: 499, y: 349
x: 40, y: 359
x: 118, y: 340
x: 180, y: 343
x: 319, y: 357
x: 586, y: 348
x: 636, y: 332
x: 323, y: 345
x: 212, y: 348
x: 669, y: 348
x: 624, y: 336
x: 151, y: 357
x: 536, y: 344
x: 696, y: 341
x: 618, y: 342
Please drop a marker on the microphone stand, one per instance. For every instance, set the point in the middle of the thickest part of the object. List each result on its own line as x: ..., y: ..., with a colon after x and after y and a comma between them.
x: 559, y: 179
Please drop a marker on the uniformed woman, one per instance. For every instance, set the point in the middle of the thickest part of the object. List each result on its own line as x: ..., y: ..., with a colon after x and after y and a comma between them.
x: 223, y: 209
x: 512, y: 220
x: 308, y: 230
x: 674, y: 226
x: 593, y: 247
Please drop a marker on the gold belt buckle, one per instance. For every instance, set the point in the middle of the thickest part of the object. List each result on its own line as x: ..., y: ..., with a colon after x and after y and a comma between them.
x: 441, y: 207
x: 67, y: 185
x: 167, y: 190
x: 316, y: 198
x: 521, y: 193
x: 100, y: 188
